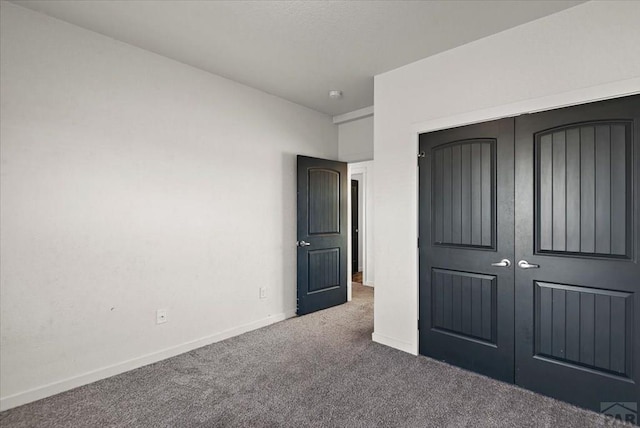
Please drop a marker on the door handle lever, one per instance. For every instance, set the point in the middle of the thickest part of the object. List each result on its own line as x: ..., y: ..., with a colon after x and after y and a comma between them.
x: 523, y: 264
x: 502, y: 263
x: 302, y: 244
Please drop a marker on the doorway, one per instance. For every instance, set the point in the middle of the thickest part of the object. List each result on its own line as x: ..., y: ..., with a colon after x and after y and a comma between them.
x: 361, y: 269
x: 558, y: 191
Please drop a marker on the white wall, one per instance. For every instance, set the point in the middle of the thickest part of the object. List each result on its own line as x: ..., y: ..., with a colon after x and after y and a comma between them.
x: 588, y: 52
x: 356, y: 140
x: 131, y: 182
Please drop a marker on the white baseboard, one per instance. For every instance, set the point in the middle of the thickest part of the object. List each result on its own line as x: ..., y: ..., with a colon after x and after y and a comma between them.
x: 54, y: 388
x: 394, y: 343
x: 368, y: 283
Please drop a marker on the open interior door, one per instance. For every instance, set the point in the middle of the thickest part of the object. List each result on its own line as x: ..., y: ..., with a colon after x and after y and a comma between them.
x: 322, y: 234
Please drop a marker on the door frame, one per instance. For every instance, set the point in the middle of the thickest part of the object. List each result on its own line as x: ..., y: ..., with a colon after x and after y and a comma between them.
x: 580, y: 96
x: 362, y: 168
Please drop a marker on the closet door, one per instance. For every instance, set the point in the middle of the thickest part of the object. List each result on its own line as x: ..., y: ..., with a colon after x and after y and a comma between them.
x: 466, y: 231
x: 577, y: 276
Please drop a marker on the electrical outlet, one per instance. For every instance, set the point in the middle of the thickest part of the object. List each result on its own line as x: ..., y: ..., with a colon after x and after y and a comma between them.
x: 161, y: 316
x: 263, y: 292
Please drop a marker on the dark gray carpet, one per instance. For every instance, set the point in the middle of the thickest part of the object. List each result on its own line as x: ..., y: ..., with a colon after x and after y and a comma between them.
x: 320, y: 370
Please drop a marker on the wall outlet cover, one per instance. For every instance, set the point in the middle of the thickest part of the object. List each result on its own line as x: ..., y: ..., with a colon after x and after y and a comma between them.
x: 161, y: 316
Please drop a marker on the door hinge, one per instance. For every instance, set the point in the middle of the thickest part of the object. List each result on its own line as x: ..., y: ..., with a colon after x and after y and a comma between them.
x: 418, y: 323
x: 420, y: 156
x: 418, y: 242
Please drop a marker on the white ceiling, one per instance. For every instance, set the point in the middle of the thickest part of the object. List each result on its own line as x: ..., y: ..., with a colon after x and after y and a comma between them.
x: 299, y: 50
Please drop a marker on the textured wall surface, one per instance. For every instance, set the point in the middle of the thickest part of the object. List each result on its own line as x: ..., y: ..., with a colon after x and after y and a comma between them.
x: 131, y: 183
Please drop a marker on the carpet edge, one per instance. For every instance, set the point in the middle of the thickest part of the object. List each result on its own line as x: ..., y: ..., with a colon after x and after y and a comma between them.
x: 67, y: 384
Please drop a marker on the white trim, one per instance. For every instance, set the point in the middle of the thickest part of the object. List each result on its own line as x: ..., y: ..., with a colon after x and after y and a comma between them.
x: 394, y: 343
x: 618, y: 89
x: 134, y: 363
x: 606, y: 91
x: 353, y: 115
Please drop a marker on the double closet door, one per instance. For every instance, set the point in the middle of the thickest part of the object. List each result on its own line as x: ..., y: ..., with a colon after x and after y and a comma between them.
x: 529, y: 264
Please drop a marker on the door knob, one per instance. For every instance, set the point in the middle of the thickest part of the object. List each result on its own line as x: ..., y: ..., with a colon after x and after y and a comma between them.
x: 523, y: 264
x: 303, y: 244
x: 502, y: 263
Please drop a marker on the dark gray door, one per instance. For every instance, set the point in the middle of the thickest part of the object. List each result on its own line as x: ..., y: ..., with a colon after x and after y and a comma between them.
x: 354, y: 227
x: 577, y: 225
x: 322, y: 234
x: 466, y: 229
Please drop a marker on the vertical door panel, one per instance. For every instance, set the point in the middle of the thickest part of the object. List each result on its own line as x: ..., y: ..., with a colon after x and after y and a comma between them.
x: 466, y: 224
x: 322, y: 234
x: 577, y: 333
